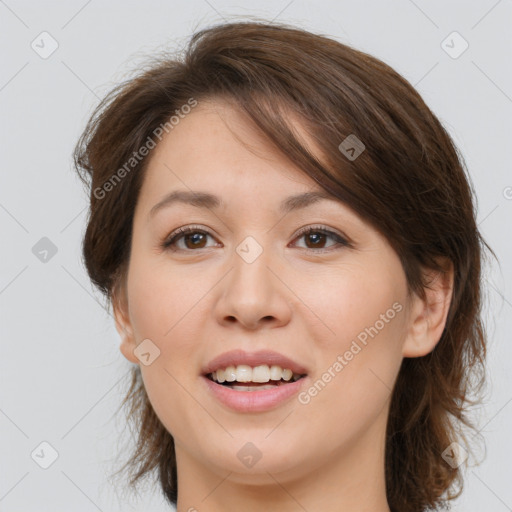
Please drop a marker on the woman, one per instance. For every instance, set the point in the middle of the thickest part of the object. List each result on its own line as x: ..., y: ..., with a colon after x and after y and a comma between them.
x: 287, y: 236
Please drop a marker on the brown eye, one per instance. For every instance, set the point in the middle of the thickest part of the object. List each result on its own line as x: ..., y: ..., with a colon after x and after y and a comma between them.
x: 192, y: 238
x: 315, y: 239
x: 195, y: 239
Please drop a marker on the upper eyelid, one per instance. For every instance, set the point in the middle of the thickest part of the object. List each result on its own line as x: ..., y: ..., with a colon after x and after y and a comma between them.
x: 191, y: 229
x: 179, y: 233
x: 318, y: 227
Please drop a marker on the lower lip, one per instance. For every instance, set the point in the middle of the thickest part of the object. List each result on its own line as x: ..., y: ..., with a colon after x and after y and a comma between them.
x: 254, y: 401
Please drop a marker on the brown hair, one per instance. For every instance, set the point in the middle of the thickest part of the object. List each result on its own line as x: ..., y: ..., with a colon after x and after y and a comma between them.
x: 409, y: 183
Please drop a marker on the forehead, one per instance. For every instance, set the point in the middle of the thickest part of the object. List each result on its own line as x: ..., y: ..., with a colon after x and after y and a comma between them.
x: 218, y: 151
x: 217, y: 147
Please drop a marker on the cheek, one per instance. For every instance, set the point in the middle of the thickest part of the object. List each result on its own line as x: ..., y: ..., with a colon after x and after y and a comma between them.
x: 169, y: 312
x: 353, y: 302
x: 360, y: 352
x: 161, y: 300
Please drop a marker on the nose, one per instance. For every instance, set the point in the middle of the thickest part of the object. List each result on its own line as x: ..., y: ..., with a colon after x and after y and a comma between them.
x: 254, y: 295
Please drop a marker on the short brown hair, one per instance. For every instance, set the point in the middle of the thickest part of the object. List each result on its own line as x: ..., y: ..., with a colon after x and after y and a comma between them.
x: 409, y: 183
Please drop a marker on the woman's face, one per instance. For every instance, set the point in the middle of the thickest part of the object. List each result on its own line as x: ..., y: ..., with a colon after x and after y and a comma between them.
x: 246, y: 286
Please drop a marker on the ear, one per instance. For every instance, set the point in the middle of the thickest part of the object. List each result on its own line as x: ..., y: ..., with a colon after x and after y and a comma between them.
x: 122, y: 320
x: 427, y: 317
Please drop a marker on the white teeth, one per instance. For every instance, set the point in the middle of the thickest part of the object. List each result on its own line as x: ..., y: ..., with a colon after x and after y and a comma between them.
x: 230, y: 374
x: 260, y: 374
x: 253, y: 388
x: 243, y: 373
x: 287, y: 374
x: 276, y: 372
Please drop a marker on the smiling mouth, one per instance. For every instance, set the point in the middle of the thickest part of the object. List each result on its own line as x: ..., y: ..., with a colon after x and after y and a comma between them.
x: 258, y: 378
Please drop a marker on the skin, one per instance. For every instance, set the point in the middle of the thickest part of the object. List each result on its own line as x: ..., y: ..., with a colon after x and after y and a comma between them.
x: 309, y: 305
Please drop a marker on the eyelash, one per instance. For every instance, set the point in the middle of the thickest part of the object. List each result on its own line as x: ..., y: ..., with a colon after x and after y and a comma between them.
x: 177, y: 235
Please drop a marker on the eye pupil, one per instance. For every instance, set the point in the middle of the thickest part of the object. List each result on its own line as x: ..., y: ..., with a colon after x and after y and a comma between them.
x: 197, y: 238
x: 316, y: 238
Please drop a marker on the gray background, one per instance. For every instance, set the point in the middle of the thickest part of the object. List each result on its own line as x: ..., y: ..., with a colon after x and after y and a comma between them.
x: 62, y: 375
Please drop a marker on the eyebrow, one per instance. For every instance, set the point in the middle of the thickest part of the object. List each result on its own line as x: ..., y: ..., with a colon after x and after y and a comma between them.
x: 206, y: 200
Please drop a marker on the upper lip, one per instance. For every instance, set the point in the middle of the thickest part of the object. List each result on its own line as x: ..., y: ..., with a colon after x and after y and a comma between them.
x: 238, y: 357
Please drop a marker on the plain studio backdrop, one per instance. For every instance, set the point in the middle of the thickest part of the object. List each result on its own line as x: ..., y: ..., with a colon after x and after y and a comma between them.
x: 62, y: 374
